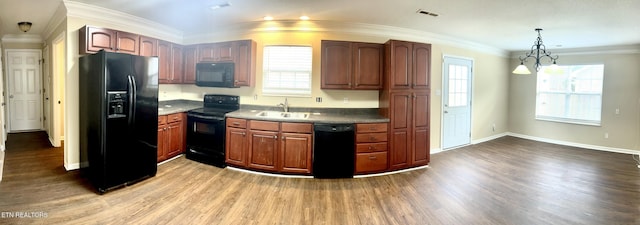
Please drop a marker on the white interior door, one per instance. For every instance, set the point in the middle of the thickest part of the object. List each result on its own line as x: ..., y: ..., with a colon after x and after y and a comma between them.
x: 457, y: 102
x: 24, y: 90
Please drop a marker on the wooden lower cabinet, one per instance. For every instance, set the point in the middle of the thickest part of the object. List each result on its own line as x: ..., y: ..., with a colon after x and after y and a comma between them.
x: 371, y: 148
x: 269, y: 146
x: 263, y: 147
x: 171, y: 136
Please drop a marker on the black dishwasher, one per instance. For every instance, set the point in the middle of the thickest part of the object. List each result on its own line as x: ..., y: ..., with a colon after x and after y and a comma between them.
x: 333, y: 150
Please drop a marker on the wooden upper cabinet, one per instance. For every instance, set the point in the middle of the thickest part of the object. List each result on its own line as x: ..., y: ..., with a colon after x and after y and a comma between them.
x: 408, y: 65
x: 190, y: 60
x: 421, y: 65
x: 368, y: 60
x: 177, y: 70
x: 148, y: 46
x: 93, y: 39
x: 351, y: 65
x: 164, y: 62
x: 336, y: 65
x: 245, y: 63
x: 127, y: 43
x: 216, y: 52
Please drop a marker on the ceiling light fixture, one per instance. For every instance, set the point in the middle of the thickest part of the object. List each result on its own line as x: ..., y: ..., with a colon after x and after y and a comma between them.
x: 24, y: 26
x: 304, y: 18
x: 223, y: 5
x: 538, y: 51
x: 267, y: 18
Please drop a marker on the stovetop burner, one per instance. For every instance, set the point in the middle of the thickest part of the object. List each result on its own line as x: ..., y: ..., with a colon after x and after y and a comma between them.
x: 218, y: 105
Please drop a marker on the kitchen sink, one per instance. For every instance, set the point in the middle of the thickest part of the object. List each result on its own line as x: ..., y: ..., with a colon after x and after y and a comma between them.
x: 283, y: 115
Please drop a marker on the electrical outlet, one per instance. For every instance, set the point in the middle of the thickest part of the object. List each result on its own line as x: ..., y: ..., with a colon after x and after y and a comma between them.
x: 318, y: 99
x: 606, y: 135
x: 345, y: 100
x: 493, y: 127
x: 255, y: 97
x: 617, y: 111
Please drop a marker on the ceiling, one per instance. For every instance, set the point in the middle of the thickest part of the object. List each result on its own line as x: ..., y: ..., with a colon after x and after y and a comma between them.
x: 503, y: 24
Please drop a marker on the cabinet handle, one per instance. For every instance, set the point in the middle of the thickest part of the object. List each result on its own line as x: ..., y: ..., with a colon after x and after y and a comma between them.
x: 244, y: 134
x: 349, y: 84
x: 283, y: 138
x: 373, y: 157
x: 236, y: 123
x: 372, y: 138
x: 275, y: 136
x: 370, y: 147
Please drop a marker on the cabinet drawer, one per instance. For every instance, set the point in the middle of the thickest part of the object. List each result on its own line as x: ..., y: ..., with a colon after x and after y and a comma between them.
x: 296, y: 127
x: 371, y: 137
x: 263, y: 125
x: 371, y: 127
x: 371, y: 147
x: 162, y: 120
x: 233, y: 122
x: 174, y: 117
x: 370, y: 162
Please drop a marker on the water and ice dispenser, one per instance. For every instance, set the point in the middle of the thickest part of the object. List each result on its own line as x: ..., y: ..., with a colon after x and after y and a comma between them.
x: 117, y: 104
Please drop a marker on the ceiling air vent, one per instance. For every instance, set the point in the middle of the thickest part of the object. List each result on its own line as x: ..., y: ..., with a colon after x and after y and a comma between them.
x: 421, y: 11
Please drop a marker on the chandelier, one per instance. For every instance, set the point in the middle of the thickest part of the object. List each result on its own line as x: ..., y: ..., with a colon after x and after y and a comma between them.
x: 538, y: 51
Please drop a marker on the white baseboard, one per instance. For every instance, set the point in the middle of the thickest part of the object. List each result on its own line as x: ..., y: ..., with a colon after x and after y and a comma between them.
x: 72, y: 166
x: 490, y: 138
x: 579, y: 145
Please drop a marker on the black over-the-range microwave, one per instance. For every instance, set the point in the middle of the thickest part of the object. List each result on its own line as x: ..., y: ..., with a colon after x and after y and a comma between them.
x: 215, y: 74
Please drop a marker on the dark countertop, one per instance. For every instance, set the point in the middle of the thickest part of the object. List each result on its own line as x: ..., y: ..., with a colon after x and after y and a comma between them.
x: 317, y: 115
x: 177, y: 106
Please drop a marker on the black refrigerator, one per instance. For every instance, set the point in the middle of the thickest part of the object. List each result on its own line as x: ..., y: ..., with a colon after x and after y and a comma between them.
x: 118, y: 118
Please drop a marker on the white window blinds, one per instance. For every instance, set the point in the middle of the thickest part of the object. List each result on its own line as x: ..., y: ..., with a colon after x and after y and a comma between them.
x: 287, y: 71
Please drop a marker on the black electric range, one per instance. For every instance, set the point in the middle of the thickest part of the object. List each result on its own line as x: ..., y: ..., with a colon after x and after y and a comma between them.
x: 206, y: 129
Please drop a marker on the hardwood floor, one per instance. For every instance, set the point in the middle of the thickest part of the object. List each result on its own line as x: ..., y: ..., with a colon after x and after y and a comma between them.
x: 505, y: 181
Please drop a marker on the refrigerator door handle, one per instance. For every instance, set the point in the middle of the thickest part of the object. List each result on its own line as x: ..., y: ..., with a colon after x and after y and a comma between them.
x: 132, y: 99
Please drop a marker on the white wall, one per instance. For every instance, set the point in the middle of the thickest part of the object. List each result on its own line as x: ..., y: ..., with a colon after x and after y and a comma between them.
x: 620, y: 90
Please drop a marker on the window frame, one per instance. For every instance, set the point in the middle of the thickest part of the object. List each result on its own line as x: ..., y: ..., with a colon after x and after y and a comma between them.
x: 568, y: 93
x: 281, y: 91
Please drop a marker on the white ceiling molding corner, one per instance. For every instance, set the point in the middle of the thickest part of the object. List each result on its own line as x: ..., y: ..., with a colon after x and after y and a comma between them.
x: 55, y: 21
x: 374, y: 30
x: 22, y: 38
x: 116, y: 18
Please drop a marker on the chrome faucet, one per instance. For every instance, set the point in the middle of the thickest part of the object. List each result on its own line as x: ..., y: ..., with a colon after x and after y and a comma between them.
x: 285, y: 105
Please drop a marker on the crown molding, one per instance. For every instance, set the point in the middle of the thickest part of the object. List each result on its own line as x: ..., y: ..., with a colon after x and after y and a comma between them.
x: 58, y: 17
x: 372, y: 30
x: 116, y: 18
x: 601, y: 50
x: 22, y: 38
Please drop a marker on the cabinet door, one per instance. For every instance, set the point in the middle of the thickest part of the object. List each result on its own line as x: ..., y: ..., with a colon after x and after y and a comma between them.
x: 205, y: 52
x: 190, y: 61
x: 164, y: 62
x: 177, y: 72
x: 400, y: 107
x: 421, y: 135
x: 236, y: 146
x: 263, y: 147
x: 244, y: 63
x: 162, y: 142
x: 367, y: 63
x: 175, y: 145
x: 98, y: 39
x: 148, y: 46
x: 400, y: 149
x: 400, y: 65
x: 295, y: 153
x: 224, y: 51
x: 127, y: 43
x: 335, y: 71
x: 421, y: 65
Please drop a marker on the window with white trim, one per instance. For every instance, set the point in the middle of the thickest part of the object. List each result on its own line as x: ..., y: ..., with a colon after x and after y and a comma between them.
x: 287, y: 70
x: 571, y: 94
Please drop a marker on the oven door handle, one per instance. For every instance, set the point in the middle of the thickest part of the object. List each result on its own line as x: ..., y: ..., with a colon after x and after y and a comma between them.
x: 206, y: 117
